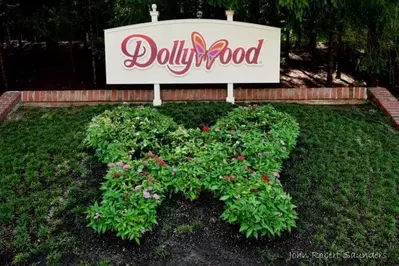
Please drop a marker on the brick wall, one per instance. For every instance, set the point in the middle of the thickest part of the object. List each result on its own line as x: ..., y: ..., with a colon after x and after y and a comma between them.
x: 7, y: 102
x: 387, y: 103
x: 381, y: 96
x: 240, y: 94
x: 70, y: 96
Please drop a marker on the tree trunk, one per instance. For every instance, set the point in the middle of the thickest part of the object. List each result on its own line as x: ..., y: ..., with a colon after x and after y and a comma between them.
x: 71, y: 57
x: 313, y: 38
x: 2, y: 67
x: 8, y: 34
x: 330, y: 64
x: 299, y: 34
x: 287, y: 41
x: 373, y: 44
x: 20, y: 41
x: 340, y: 52
x: 254, y: 11
x: 92, y: 46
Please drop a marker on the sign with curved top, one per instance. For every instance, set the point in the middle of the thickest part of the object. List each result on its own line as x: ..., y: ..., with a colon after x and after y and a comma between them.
x: 192, y: 51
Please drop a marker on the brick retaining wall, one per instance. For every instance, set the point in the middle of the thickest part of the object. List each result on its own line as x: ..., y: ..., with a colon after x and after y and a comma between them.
x: 8, y: 100
x: 387, y: 102
x: 381, y: 96
x: 240, y: 94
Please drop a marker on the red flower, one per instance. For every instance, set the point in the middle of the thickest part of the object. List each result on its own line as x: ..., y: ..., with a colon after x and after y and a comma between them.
x: 264, y: 177
x: 117, y: 175
x: 241, y: 158
x: 160, y: 161
x: 206, y: 129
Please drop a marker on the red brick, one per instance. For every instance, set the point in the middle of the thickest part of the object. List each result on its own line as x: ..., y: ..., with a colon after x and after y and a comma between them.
x: 90, y: 95
x: 125, y: 97
x: 278, y: 94
x: 84, y: 95
x: 105, y: 95
x: 119, y: 96
x: 340, y: 93
x: 53, y: 97
x: 24, y: 96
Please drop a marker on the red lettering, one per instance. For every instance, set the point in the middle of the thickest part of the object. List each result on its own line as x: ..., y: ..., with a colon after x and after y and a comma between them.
x: 174, y: 51
x: 142, y: 52
x: 179, y: 51
x: 223, y: 59
x: 163, y: 56
x: 133, y: 61
x: 255, y: 53
x: 238, y: 59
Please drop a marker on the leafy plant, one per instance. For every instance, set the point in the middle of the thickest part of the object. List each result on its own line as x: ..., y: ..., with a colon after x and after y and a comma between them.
x: 229, y: 4
x: 239, y: 159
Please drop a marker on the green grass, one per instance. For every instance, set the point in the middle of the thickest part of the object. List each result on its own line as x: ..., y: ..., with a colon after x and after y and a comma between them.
x: 343, y: 176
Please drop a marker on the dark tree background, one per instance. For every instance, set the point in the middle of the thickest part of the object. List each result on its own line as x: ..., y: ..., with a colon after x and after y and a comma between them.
x: 58, y: 44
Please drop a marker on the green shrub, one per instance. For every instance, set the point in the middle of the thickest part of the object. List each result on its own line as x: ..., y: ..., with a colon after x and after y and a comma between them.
x: 239, y: 160
x: 126, y: 134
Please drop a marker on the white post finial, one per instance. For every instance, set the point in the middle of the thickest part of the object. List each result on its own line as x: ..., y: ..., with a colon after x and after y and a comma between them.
x: 229, y: 14
x: 157, y: 101
x: 154, y: 13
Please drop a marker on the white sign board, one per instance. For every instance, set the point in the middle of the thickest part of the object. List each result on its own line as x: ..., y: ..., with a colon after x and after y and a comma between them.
x: 192, y: 51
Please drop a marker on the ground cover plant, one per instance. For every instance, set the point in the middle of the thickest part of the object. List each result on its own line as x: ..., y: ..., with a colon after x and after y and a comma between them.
x: 150, y: 156
x: 343, y: 177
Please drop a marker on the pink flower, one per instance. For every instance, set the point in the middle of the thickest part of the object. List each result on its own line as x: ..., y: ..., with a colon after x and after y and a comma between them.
x: 146, y: 195
x: 241, y: 158
x: 138, y: 187
x: 111, y: 165
x: 149, y: 188
x: 126, y: 166
x: 97, y: 216
x: 156, y: 196
x: 120, y: 164
x: 277, y: 175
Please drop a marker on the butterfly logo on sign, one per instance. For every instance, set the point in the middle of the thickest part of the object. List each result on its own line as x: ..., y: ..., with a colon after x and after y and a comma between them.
x: 203, y: 54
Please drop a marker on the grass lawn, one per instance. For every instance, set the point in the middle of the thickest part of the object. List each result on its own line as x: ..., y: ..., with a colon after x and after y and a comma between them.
x: 343, y: 177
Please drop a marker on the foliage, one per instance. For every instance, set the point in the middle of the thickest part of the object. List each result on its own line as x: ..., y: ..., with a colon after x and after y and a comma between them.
x: 43, y: 170
x: 127, y: 134
x: 342, y: 175
x: 228, y: 4
x: 238, y: 159
x: 370, y: 28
